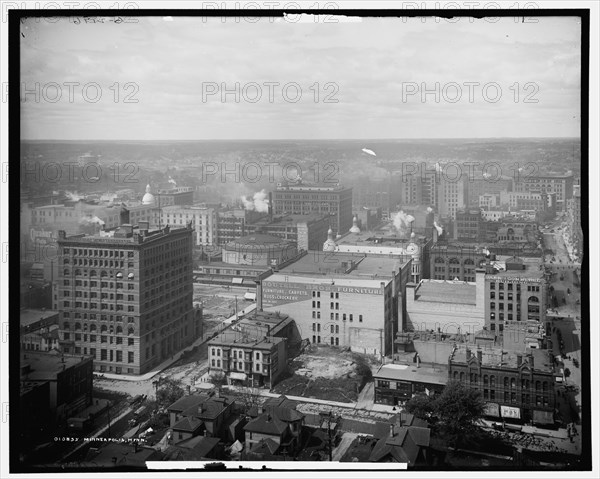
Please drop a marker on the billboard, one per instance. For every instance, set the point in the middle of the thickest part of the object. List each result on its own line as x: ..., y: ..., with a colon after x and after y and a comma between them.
x: 492, y: 409
x: 510, y: 412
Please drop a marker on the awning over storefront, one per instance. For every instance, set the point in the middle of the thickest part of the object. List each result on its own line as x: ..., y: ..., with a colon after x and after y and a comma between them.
x: 543, y: 417
x: 238, y: 376
x: 237, y: 280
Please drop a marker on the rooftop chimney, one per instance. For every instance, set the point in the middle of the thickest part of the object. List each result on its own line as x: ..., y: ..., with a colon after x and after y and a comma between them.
x: 530, y: 359
x: 480, y: 356
x: 468, y: 354
x: 392, y: 430
x: 268, y: 418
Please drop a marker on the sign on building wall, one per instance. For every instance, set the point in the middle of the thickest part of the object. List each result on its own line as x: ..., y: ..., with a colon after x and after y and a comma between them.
x: 492, y: 409
x: 510, y: 412
x: 276, y: 293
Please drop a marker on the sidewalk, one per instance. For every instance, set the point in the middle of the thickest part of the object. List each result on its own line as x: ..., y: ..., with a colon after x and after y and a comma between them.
x: 176, y: 357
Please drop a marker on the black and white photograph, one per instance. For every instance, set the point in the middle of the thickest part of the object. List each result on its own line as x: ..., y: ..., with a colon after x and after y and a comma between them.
x: 308, y: 237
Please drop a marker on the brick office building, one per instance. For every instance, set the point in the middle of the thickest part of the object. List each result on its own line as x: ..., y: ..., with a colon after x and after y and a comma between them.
x: 516, y: 386
x: 125, y: 296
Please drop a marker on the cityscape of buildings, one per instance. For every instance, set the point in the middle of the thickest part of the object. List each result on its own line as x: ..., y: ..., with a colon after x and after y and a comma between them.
x: 445, y: 287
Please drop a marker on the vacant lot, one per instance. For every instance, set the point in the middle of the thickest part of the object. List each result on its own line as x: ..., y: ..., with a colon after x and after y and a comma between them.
x: 325, y: 372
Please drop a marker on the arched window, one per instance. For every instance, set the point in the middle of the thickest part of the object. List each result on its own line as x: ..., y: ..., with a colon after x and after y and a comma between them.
x: 538, y: 385
x: 77, y: 272
x: 513, y: 383
x: 85, y: 326
x: 439, y: 259
x: 545, y: 386
x: 103, y: 328
x: 119, y: 275
x: 66, y: 261
x: 93, y: 273
x: 533, y: 299
x: 469, y: 262
x: 505, y: 382
x: 493, y: 381
x: 462, y: 377
x: 454, y: 261
x: 66, y: 325
x: 66, y: 272
x: 119, y: 330
x: 130, y: 332
x: 92, y: 328
x: 485, y: 380
x: 103, y: 274
x: 455, y: 375
x: 77, y: 326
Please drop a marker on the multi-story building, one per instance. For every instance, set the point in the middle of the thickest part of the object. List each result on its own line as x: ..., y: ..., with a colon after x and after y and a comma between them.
x: 341, y: 299
x: 69, y: 381
x: 375, y: 193
x: 561, y: 185
x: 418, y: 189
x: 300, y: 198
x: 179, y: 195
x: 446, y: 307
x: 516, y: 386
x: 232, y: 223
x: 259, y: 249
x: 450, y: 261
x: 39, y: 330
x: 575, y: 231
x: 468, y: 225
x: 246, y: 357
x: 203, y: 220
x: 125, y: 296
x: 307, y: 231
x: 451, y: 196
x: 515, y: 291
x: 480, y: 186
x: 397, y: 383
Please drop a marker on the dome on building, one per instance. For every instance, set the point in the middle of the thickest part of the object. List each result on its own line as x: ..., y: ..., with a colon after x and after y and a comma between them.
x: 148, y: 198
x: 355, y: 228
x: 330, y: 244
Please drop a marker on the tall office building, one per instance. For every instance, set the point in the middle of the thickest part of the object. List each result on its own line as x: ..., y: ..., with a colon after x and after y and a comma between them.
x: 305, y: 199
x: 561, y: 185
x: 451, y: 197
x: 125, y: 296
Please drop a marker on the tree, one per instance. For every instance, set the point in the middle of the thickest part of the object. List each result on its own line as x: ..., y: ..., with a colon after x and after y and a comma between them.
x: 168, y: 391
x: 219, y: 380
x: 567, y: 372
x: 422, y: 406
x: 458, y: 409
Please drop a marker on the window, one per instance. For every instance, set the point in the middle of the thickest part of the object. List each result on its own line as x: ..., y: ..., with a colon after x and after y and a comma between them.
x: 130, y: 357
x: 360, y: 318
x: 351, y: 318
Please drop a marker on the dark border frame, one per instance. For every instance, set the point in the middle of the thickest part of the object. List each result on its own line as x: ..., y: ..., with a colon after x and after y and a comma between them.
x: 14, y: 20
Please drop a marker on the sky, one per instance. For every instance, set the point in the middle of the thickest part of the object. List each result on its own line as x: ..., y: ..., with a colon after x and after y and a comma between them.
x: 193, y: 78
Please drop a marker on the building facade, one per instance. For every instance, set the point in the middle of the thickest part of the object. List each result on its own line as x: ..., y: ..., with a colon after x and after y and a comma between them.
x: 397, y: 383
x: 203, y: 220
x: 517, y: 291
x: 518, y: 387
x: 333, y: 201
x: 125, y: 296
x: 561, y: 185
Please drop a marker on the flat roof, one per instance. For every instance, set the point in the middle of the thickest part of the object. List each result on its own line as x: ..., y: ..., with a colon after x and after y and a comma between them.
x: 46, y: 365
x: 244, y: 340
x: 331, y: 264
x: 30, y: 316
x: 402, y: 372
x: 440, y: 291
x: 498, y: 357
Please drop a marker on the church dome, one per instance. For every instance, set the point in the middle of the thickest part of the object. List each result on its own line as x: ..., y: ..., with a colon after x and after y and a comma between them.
x: 148, y: 198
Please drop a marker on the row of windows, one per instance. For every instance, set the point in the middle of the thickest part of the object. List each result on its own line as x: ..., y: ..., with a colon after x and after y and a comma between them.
x: 509, y: 286
x: 101, y: 317
x: 333, y: 341
x: 103, y: 306
x: 94, y: 294
x: 108, y: 253
x: 92, y: 338
x: 103, y: 284
x: 103, y: 328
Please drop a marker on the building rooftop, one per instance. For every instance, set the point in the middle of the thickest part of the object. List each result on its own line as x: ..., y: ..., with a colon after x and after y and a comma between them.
x: 244, y: 339
x: 496, y: 358
x: 41, y: 365
x: 124, y: 234
x: 343, y: 265
x: 258, y: 241
x: 440, y: 291
x: 30, y: 316
x: 401, y: 372
x: 533, y: 268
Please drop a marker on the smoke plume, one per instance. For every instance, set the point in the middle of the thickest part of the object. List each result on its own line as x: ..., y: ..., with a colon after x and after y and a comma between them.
x: 439, y: 229
x: 429, y: 209
x: 91, y: 220
x: 73, y: 196
x: 259, y: 202
x: 402, y: 222
x: 369, y: 152
x: 172, y: 181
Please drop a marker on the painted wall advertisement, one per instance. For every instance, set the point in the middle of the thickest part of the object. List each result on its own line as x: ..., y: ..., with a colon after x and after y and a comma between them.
x: 510, y: 412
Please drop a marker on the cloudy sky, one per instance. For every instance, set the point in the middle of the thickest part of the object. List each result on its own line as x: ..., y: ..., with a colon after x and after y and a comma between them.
x: 165, y: 78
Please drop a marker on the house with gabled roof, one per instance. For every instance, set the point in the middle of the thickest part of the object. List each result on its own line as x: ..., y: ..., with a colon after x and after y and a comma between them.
x: 278, y: 424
